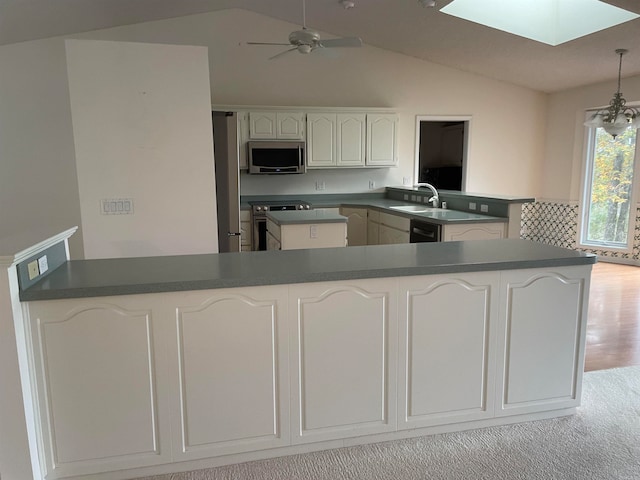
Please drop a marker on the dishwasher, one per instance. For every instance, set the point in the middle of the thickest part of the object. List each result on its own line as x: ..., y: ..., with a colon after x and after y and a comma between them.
x: 421, y: 231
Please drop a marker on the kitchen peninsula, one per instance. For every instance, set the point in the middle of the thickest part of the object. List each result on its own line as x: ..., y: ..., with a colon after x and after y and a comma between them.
x: 142, y: 366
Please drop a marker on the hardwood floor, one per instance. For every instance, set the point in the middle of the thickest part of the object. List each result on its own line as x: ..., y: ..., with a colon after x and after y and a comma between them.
x: 613, y: 327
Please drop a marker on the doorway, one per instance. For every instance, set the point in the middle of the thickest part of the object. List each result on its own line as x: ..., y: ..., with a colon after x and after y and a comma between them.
x: 441, y: 151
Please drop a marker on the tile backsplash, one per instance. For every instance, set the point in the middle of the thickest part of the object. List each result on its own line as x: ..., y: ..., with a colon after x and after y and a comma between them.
x: 556, y: 223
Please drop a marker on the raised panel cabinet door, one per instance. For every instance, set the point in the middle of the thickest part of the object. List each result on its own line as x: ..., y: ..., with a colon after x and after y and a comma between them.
x: 390, y: 236
x: 101, y: 406
x: 382, y: 139
x: 544, y: 316
x: 230, y: 371
x: 350, y: 139
x: 290, y: 125
x: 343, y: 359
x: 447, y: 333
x: 321, y: 140
x: 473, y: 231
x: 356, y: 225
x: 262, y: 125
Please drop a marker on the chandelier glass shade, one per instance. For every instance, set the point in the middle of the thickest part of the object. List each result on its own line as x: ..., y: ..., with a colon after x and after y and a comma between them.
x: 616, y: 118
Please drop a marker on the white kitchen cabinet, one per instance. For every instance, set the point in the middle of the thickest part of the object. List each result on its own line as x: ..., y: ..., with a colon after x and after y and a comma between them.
x: 542, y: 337
x: 245, y: 231
x: 393, y: 229
x: 230, y: 376
x: 335, y: 140
x: 343, y: 338
x: 447, y: 325
x: 272, y: 125
x: 373, y: 227
x: 473, y: 231
x: 321, y: 140
x: 382, y: 139
x: 350, y: 139
x: 356, y: 225
x: 101, y: 404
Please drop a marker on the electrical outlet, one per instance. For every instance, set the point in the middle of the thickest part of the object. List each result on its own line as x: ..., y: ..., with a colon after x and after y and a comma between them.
x: 484, y: 208
x: 406, y: 196
x: 472, y: 205
x: 320, y: 185
x: 372, y: 184
x: 33, y: 270
x: 313, y: 231
x: 406, y: 181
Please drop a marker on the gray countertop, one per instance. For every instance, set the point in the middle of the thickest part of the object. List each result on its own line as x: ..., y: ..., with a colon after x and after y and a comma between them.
x: 292, y: 217
x: 434, y: 215
x: 90, y: 278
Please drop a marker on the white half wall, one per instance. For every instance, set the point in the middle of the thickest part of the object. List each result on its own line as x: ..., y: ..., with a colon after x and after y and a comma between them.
x: 142, y: 127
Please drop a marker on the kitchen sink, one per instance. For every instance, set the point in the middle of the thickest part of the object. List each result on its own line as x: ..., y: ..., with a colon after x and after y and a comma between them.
x: 414, y: 208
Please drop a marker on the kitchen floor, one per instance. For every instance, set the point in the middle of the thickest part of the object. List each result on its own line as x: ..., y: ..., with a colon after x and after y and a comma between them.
x: 613, y: 327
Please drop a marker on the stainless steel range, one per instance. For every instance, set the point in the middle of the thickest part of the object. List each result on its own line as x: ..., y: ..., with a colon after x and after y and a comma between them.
x: 259, y: 217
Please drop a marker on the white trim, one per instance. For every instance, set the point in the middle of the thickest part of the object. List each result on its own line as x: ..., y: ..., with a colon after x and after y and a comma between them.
x: 588, y: 157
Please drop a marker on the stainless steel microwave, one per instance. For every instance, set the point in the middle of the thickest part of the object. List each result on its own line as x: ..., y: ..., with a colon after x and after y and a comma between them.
x: 277, y: 157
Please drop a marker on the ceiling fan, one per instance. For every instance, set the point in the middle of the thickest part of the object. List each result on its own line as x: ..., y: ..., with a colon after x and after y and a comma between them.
x: 307, y: 40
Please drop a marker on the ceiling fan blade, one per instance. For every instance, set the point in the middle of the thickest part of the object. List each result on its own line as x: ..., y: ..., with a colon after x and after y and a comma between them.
x: 341, y: 42
x: 283, y: 53
x: 268, y: 43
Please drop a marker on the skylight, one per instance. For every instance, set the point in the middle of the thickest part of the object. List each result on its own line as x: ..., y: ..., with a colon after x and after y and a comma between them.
x: 548, y: 21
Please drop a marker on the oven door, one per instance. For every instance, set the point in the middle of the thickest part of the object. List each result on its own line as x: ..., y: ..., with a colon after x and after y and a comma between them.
x: 421, y: 232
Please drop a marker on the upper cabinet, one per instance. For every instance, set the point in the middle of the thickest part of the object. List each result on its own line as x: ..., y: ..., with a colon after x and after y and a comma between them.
x: 276, y: 125
x: 335, y: 140
x: 382, y: 139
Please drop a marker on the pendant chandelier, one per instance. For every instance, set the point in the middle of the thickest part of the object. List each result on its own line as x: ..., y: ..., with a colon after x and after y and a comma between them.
x: 617, y: 117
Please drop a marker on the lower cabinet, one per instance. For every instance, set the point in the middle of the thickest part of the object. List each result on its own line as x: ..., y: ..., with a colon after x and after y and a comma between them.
x: 473, y: 231
x: 393, y: 229
x: 541, y: 339
x: 125, y: 382
x: 343, y: 359
x: 356, y: 225
x: 447, y: 329
x: 373, y: 227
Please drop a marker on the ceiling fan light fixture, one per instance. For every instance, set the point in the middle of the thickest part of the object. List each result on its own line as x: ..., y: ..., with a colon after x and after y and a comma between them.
x: 617, y: 117
x: 347, y: 4
x: 427, y: 3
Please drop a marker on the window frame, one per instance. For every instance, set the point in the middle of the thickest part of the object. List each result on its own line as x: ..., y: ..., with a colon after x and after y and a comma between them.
x: 587, y: 175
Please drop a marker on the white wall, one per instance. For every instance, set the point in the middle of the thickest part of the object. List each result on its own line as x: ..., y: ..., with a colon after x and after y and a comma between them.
x: 142, y: 126
x: 564, y: 154
x: 36, y: 140
x: 507, y: 130
x: 38, y: 183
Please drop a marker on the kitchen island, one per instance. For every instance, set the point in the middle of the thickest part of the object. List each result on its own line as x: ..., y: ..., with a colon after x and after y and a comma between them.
x: 151, y: 365
x: 299, y: 229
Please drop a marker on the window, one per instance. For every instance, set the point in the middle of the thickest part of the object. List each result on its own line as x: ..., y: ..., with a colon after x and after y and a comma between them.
x: 608, y: 207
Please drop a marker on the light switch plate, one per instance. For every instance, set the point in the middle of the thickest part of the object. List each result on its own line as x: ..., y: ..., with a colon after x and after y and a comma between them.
x: 43, y: 264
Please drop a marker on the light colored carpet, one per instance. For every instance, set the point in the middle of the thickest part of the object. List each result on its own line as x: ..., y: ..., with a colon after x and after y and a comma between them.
x: 602, y: 441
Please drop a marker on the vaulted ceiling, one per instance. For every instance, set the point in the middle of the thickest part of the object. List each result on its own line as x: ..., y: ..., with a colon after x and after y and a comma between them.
x: 402, y: 26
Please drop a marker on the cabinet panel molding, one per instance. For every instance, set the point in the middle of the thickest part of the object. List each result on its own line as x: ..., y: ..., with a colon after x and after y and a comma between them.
x: 543, y: 341
x: 229, y: 368
x: 343, y: 343
x: 447, y: 331
x: 96, y: 369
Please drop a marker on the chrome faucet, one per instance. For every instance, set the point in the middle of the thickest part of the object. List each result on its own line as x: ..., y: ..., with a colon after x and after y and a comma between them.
x: 435, y: 199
